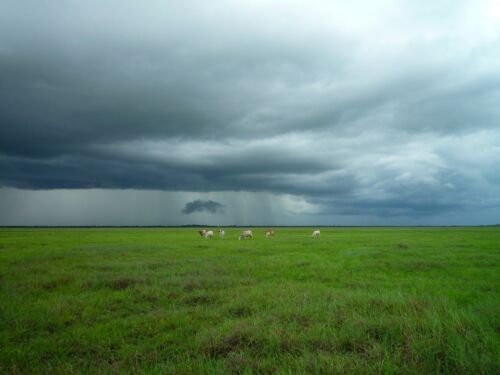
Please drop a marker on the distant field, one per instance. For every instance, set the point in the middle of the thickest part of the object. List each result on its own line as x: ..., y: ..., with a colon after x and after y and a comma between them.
x: 165, y: 301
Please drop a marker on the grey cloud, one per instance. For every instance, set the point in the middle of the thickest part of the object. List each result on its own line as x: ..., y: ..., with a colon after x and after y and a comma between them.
x: 307, y: 101
x: 203, y: 206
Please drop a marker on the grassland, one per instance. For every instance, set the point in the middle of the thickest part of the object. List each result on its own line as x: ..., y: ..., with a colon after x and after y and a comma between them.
x: 155, y: 301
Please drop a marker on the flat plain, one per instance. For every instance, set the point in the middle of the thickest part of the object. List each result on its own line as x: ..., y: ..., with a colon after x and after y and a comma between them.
x: 165, y: 301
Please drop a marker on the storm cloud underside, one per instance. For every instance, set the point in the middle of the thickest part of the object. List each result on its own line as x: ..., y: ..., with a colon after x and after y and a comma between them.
x: 383, y: 110
x: 199, y: 205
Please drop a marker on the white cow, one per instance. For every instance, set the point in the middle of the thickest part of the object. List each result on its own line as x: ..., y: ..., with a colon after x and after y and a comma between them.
x: 206, y: 233
x: 222, y: 233
x: 245, y: 234
x: 269, y: 233
x: 316, y: 233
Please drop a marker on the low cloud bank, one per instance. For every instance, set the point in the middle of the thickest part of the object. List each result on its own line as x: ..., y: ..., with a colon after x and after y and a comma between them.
x: 203, y: 206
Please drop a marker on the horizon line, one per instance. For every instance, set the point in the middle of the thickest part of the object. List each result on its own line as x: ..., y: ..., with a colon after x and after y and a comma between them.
x: 251, y: 226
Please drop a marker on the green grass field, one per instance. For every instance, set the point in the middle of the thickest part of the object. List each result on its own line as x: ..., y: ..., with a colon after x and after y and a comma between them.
x: 165, y: 301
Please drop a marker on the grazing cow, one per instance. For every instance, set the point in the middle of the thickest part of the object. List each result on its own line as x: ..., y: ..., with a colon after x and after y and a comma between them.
x: 316, y: 233
x: 222, y: 233
x: 269, y: 233
x: 209, y: 234
x: 245, y: 234
x: 202, y: 232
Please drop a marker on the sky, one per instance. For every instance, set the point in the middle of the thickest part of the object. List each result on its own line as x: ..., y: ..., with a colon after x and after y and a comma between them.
x: 249, y: 112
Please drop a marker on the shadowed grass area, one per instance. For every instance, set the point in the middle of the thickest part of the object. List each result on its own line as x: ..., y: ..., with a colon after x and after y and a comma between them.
x: 355, y: 300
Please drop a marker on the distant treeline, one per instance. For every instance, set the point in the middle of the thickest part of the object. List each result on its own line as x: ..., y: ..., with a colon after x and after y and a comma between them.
x: 248, y: 226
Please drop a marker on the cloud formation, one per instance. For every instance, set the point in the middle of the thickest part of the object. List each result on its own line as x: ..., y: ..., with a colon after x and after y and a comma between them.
x: 199, y: 205
x: 387, y: 108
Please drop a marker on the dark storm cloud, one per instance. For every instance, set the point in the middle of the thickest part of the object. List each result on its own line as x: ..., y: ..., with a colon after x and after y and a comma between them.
x: 360, y: 108
x: 203, y: 206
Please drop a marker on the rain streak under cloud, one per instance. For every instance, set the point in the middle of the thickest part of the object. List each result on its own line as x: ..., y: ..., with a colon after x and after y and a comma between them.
x: 249, y: 112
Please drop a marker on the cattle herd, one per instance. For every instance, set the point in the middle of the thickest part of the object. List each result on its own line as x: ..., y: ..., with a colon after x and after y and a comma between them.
x: 204, y: 233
